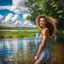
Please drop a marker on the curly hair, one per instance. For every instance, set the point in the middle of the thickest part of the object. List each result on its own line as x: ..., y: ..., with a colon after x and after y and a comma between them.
x: 50, y: 24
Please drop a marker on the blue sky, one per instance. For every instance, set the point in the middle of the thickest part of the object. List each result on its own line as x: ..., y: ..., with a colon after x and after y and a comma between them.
x: 14, y: 13
x: 5, y: 2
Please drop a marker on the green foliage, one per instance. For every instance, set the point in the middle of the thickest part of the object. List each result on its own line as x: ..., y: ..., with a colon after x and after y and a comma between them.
x: 54, y: 8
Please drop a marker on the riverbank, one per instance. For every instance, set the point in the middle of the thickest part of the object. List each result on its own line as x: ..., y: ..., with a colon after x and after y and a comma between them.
x: 18, y: 32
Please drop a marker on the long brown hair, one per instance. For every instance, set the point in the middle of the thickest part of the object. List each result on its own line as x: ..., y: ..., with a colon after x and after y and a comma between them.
x: 50, y: 24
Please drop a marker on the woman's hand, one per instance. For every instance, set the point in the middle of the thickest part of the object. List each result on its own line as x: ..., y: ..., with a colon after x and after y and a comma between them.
x: 35, y: 57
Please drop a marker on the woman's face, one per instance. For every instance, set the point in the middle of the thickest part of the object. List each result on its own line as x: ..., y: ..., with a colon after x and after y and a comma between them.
x: 42, y: 22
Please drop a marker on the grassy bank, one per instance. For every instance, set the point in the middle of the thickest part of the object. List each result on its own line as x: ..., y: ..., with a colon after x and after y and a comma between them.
x: 17, y: 34
x: 6, y: 34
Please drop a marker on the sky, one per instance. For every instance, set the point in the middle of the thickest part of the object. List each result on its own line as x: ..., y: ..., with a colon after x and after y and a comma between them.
x: 13, y: 13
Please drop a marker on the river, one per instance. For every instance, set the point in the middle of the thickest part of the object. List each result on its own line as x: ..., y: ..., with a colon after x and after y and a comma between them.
x: 23, y: 50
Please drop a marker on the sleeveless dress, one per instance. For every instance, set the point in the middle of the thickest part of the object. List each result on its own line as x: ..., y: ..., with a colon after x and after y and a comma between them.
x: 45, y: 55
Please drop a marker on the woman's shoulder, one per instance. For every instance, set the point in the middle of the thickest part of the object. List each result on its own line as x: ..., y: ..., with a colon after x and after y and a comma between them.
x: 45, y: 31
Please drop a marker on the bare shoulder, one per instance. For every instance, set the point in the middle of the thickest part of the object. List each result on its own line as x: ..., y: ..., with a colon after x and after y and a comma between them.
x: 45, y: 31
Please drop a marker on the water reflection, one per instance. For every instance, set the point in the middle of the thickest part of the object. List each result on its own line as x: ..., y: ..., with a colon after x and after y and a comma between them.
x: 23, y: 50
x: 10, y: 47
x: 1, y: 45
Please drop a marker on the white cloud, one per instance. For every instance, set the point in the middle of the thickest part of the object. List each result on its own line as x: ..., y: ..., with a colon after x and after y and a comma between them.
x: 27, y: 23
x: 19, y: 9
x: 17, y: 6
x: 25, y: 16
x: 18, y: 23
x: 5, y: 7
x: 15, y: 17
x: 8, y: 17
x: 10, y: 20
x: 18, y: 2
x: 1, y: 17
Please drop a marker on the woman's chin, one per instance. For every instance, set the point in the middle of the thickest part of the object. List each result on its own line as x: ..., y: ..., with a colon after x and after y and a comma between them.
x: 41, y: 26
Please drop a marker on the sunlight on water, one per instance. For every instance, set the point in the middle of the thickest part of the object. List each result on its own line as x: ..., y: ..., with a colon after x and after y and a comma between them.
x: 15, y: 45
x: 7, y: 44
x: 25, y: 46
x: 1, y: 45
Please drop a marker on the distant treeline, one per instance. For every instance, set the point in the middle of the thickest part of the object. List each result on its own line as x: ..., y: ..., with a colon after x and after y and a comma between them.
x: 17, y: 28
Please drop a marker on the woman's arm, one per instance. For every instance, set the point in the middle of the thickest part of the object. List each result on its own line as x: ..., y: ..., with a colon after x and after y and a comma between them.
x: 45, y: 37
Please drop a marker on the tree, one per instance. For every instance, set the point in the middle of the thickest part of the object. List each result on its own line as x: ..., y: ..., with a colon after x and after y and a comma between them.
x: 54, y: 8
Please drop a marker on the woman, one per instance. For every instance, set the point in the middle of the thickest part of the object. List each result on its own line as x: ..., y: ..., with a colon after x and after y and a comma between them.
x: 43, y: 55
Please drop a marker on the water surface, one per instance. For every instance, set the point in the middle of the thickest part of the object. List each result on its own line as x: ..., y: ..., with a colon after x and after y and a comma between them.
x: 23, y: 50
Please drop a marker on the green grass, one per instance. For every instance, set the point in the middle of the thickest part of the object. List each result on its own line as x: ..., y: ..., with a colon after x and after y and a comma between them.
x: 6, y: 34
x: 23, y: 34
x: 17, y: 34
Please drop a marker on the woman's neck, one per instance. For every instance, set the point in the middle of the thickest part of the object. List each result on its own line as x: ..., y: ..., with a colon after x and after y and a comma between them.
x: 44, y: 27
